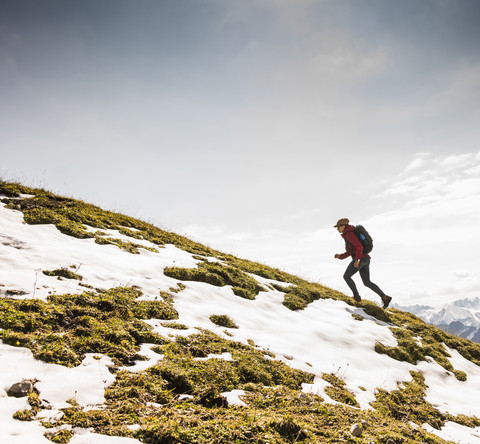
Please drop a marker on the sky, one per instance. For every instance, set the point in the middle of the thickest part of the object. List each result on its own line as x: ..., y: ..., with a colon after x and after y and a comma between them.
x: 253, y: 126
x: 324, y: 337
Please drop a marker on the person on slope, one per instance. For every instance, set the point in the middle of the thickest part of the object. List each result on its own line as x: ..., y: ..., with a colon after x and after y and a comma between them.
x: 360, y: 262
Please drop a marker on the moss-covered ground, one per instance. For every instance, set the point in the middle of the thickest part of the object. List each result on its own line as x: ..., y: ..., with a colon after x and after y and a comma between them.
x: 276, y: 410
x: 63, y: 272
x: 215, y: 273
x: 338, y: 391
x: 65, y: 327
x: 407, y: 403
x: 418, y: 340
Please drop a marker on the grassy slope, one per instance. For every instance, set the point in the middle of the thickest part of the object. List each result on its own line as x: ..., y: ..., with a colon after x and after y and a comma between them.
x: 64, y: 328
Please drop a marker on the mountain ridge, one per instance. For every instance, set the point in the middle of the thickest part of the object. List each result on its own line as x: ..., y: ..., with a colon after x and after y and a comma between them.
x: 460, y: 317
x: 207, y: 327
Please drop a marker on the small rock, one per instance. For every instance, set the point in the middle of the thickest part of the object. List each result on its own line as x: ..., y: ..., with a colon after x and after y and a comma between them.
x: 364, y: 424
x: 20, y: 389
x: 356, y: 430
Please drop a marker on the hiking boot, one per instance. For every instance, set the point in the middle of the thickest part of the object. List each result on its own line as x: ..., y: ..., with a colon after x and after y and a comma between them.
x: 386, y: 300
x: 357, y: 299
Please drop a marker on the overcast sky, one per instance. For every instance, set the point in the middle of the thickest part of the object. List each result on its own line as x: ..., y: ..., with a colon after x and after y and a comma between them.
x: 254, y: 125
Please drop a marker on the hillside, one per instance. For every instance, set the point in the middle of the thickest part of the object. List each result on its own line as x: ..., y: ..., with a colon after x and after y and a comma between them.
x: 120, y: 332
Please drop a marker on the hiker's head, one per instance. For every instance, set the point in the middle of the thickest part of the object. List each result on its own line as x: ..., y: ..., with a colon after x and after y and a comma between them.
x: 341, y: 224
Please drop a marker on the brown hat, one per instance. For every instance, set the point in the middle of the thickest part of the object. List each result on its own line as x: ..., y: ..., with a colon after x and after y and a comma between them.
x: 343, y: 221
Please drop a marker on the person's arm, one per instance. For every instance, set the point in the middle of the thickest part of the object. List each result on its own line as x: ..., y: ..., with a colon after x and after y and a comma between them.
x: 357, y: 246
x: 343, y: 255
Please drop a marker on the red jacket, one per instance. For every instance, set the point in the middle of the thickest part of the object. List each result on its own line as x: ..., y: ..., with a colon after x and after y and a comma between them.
x: 353, y: 246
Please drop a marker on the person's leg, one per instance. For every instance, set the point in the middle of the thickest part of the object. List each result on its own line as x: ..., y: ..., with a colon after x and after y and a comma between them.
x: 349, y: 272
x: 365, y: 275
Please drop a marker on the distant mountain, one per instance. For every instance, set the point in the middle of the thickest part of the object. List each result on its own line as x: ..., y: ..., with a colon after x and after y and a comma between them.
x: 461, y: 317
x: 113, y: 331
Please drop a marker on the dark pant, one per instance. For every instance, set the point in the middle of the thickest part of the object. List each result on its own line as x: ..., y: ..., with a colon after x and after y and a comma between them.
x: 364, y: 269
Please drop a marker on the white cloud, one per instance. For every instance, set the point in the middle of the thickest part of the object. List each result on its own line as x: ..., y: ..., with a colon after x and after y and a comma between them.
x: 418, y: 162
x: 461, y: 274
x: 437, y: 177
x: 456, y: 161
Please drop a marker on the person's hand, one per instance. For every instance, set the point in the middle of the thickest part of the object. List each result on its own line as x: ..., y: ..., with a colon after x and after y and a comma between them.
x: 357, y: 263
x: 337, y: 256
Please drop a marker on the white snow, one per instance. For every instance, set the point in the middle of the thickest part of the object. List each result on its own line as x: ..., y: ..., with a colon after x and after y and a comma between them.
x: 323, y: 338
x: 456, y: 433
x: 447, y: 393
x: 83, y: 436
x: 57, y: 384
x: 233, y: 397
x: 43, y: 247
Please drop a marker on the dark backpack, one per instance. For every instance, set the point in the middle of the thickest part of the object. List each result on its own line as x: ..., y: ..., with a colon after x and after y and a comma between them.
x: 364, y: 238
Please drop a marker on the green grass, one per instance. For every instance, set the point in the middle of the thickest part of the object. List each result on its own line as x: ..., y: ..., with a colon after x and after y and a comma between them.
x: 277, y: 411
x: 63, y: 272
x: 180, y: 287
x: 338, y: 391
x: 294, y: 302
x: 223, y: 321
x: 407, y: 403
x: 13, y: 292
x: 219, y: 275
x: 418, y: 340
x: 60, y: 436
x: 130, y: 247
x: 35, y: 405
x: 174, y: 325
x: 66, y: 327
x: 273, y: 415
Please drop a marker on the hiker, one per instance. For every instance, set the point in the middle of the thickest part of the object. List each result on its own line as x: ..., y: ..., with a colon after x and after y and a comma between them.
x: 360, y: 262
